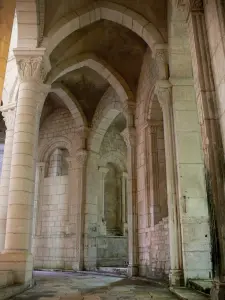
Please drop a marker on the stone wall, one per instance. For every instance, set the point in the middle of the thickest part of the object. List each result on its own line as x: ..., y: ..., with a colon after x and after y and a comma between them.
x: 155, y: 255
x: 54, y: 244
x: 112, y: 251
x: 54, y: 238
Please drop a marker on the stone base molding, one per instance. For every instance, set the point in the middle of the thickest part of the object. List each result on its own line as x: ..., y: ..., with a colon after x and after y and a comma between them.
x: 20, y: 262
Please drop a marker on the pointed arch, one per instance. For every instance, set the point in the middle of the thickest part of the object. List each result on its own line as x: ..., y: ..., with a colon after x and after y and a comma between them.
x: 107, y: 110
x: 99, y: 66
x: 71, y: 103
x: 103, y: 10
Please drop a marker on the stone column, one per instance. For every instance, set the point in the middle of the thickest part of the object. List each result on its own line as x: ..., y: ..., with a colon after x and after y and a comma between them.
x: 38, y: 200
x: 210, y: 132
x: 129, y: 135
x: 79, y: 181
x: 103, y: 171
x: 32, y: 92
x: 153, y: 172
x: 124, y: 202
x: 163, y: 91
x: 8, y: 113
x: 38, y: 197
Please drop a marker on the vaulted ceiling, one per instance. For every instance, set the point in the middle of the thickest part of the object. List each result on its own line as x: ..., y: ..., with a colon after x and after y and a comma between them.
x: 119, y: 47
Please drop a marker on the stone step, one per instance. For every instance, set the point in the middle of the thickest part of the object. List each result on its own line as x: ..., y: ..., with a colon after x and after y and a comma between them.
x: 184, y: 293
x: 203, y: 286
x: 6, y: 278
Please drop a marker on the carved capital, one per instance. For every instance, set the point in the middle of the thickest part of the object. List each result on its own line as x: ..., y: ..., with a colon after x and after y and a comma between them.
x: 160, y: 54
x: 30, y: 64
x: 164, y: 92
x: 129, y: 135
x: 103, y: 170
x: 9, y: 115
x: 191, y: 5
x: 196, y: 5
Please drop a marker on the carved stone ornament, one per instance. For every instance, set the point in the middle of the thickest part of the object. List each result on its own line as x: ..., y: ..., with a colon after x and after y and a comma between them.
x: 9, y: 118
x: 191, y: 5
x: 31, y: 69
x: 163, y: 92
x: 129, y: 135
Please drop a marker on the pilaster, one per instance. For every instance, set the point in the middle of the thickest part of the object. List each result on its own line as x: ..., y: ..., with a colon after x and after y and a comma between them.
x: 164, y: 93
x: 129, y: 135
x: 77, y: 192
x: 8, y: 113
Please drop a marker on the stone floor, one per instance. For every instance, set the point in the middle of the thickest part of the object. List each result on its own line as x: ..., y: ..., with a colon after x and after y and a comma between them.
x: 77, y: 286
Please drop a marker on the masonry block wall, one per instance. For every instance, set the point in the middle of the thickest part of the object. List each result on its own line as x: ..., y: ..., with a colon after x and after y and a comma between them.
x: 54, y: 240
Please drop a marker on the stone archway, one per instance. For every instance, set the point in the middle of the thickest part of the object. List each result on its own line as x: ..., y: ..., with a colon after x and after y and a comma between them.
x: 105, y: 11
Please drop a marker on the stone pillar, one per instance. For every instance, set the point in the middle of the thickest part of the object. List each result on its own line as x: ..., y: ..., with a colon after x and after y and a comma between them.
x: 38, y: 197
x: 210, y: 132
x: 8, y: 113
x: 78, y: 206
x: 153, y: 172
x: 103, y: 171
x: 124, y: 202
x: 163, y: 91
x: 32, y: 92
x: 7, y: 12
x: 129, y: 135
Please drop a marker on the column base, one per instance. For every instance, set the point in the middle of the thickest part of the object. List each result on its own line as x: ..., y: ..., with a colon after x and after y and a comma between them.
x: 132, y: 270
x: 217, y: 291
x: 20, y: 263
x: 176, y: 278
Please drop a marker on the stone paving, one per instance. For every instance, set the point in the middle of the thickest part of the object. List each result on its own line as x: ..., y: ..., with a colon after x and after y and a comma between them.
x: 78, y: 286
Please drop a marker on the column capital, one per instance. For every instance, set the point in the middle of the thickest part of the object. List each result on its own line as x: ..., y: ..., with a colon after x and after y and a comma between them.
x: 160, y: 54
x: 30, y: 63
x: 9, y: 113
x: 124, y: 174
x: 153, y: 126
x: 129, y: 135
x: 191, y: 5
x: 163, y: 91
x: 103, y: 170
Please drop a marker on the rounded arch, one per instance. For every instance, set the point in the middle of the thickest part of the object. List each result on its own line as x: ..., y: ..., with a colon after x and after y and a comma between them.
x: 100, y: 67
x: 71, y: 103
x: 104, y: 11
x: 28, y: 32
x: 47, y: 148
x: 108, y: 109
